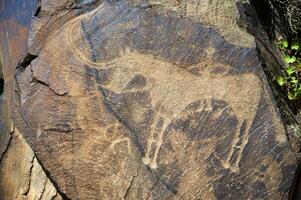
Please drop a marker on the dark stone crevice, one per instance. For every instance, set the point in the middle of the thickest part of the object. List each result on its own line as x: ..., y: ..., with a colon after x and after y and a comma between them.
x: 279, y: 17
x: 38, y: 9
x: 1, y: 79
x: 1, y: 86
x: 264, y: 14
x: 25, y: 61
x: 295, y: 189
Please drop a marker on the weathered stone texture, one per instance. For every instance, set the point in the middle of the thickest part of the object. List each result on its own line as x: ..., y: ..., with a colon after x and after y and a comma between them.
x: 150, y: 100
x: 221, y: 14
x: 21, y: 176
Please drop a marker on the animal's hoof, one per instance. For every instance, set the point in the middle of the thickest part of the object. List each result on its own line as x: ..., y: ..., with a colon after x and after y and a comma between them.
x: 146, y: 160
x: 153, y: 165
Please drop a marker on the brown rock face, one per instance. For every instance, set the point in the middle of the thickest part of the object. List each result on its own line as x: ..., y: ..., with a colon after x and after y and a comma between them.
x: 149, y: 100
x: 21, y: 176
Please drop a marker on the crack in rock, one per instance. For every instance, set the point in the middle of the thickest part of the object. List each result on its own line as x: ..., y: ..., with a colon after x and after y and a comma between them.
x: 130, y: 185
x: 58, y: 91
x: 25, y: 61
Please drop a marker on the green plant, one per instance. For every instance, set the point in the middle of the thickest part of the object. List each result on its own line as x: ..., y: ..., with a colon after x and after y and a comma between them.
x: 291, y: 79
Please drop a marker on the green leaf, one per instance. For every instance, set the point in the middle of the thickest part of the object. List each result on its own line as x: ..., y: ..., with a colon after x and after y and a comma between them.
x: 298, y: 92
x: 290, y: 70
x: 283, y: 44
x: 280, y: 81
x: 295, y: 46
x: 294, y: 80
x: 289, y: 59
x: 291, y: 96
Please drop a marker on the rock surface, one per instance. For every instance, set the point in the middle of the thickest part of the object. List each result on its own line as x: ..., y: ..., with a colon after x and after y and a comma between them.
x: 148, y: 100
x: 21, y: 176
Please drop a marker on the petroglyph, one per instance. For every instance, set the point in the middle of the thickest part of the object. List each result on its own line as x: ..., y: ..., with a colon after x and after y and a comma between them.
x: 171, y: 91
x: 71, y: 28
x: 117, y: 141
x: 170, y: 97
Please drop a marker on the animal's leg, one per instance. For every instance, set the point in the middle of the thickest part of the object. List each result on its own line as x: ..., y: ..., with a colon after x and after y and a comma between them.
x: 226, y: 163
x: 146, y: 159
x: 244, y: 142
x: 159, y: 142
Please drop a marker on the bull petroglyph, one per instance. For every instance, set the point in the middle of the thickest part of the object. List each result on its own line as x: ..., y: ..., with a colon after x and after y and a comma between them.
x: 170, y: 90
x: 170, y: 95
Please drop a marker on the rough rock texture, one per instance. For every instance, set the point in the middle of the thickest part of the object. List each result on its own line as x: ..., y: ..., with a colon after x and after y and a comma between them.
x: 137, y: 99
x: 21, y: 176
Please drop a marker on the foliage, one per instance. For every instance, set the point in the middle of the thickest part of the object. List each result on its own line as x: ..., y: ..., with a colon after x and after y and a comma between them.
x: 291, y: 80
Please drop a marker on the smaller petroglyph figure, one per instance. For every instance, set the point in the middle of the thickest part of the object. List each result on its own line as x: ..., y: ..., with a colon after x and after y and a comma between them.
x: 117, y: 141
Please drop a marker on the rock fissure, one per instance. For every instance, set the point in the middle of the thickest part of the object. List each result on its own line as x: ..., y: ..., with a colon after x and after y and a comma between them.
x: 25, y: 61
x: 1, y: 86
x: 53, y: 198
x: 35, y: 80
x: 38, y: 9
x: 130, y: 185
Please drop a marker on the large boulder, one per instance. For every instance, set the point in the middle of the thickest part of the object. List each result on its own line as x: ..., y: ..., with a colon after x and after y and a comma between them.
x: 138, y: 99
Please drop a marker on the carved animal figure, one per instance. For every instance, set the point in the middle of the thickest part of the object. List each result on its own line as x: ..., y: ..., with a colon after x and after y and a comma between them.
x: 173, y: 88
x: 171, y: 91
